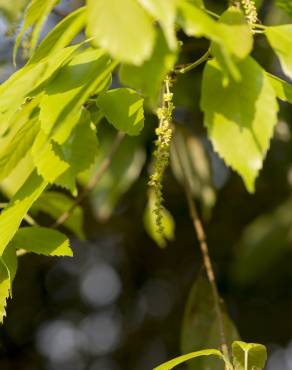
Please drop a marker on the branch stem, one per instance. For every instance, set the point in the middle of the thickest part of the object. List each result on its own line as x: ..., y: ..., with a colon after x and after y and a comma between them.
x: 188, y: 67
x: 201, y: 235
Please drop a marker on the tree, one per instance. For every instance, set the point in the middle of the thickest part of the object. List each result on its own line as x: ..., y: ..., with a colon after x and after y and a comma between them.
x: 53, y: 110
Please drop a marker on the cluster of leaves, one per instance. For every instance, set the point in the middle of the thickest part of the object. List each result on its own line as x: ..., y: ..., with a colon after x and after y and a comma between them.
x: 52, y: 107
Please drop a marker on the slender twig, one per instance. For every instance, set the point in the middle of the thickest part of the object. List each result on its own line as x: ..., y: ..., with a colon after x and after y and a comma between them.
x: 180, y: 69
x: 199, y: 229
x: 93, y: 182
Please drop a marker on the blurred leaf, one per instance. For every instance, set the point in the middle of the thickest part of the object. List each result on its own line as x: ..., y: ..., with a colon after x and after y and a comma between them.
x: 240, y: 117
x: 262, y: 243
x: 124, y: 170
x: 285, y: 5
x: 123, y: 108
x: 282, y: 88
x: 149, y: 76
x: 179, y: 360
x: 13, y: 214
x: 42, y: 240
x: 165, y: 13
x: 34, y: 17
x: 280, y: 38
x: 55, y: 204
x: 12, y: 9
x: 196, y: 166
x: 128, y: 39
x: 200, y: 327
x: 150, y: 225
x: 248, y: 356
x: 8, y: 268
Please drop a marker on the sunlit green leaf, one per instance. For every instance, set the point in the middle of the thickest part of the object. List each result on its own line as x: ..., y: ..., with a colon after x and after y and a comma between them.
x: 18, y: 207
x: 86, y: 74
x: 60, y: 36
x: 128, y: 38
x: 282, y: 88
x: 179, y: 360
x: 248, y: 356
x: 42, y: 240
x: 164, y: 12
x: 16, y: 144
x: 79, y: 151
x: 123, y: 108
x: 35, y: 16
x: 280, y: 38
x: 237, y: 42
x: 240, y: 117
x: 8, y: 268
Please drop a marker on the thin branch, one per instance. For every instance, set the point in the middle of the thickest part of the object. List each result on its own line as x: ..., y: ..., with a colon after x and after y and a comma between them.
x: 93, y: 182
x: 199, y: 229
x: 180, y: 69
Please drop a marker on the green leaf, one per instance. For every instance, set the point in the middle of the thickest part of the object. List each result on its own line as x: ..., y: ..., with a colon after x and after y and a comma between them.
x: 24, y: 127
x: 42, y: 240
x: 165, y: 13
x: 179, y: 360
x: 286, y: 5
x: 55, y: 204
x: 123, y: 108
x: 29, y: 82
x: 124, y: 170
x: 240, y: 117
x: 79, y: 151
x: 150, y: 223
x: 35, y: 17
x: 60, y: 36
x: 48, y: 158
x: 282, y: 88
x: 8, y: 268
x: 237, y: 43
x: 129, y: 39
x: 12, y: 9
x: 196, y: 167
x: 225, y: 35
x: 149, y: 76
x: 267, y: 235
x: 86, y: 74
x: 248, y: 356
x: 280, y: 38
x: 13, y: 214
x: 201, y: 329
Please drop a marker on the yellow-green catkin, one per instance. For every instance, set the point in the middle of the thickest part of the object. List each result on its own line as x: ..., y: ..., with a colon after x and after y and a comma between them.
x: 250, y: 11
x: 162, y: 150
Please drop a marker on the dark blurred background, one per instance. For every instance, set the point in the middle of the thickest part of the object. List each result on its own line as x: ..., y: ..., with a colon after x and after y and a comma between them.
x: 119, y: 303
